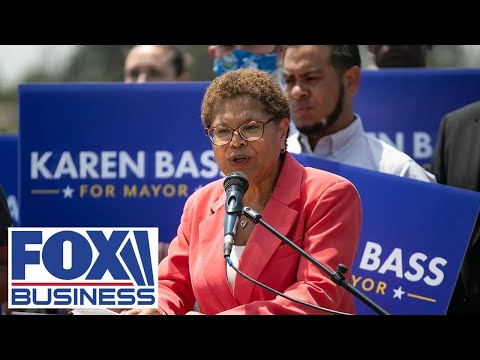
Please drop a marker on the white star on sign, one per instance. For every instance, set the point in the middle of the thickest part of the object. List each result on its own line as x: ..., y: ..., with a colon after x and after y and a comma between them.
x: 397, y: 293
x: 68, y: 192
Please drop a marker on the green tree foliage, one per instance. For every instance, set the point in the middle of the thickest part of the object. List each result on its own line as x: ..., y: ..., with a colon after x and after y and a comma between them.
x: 96, y: 63
x: 202, y: 64
x: 104, y: 63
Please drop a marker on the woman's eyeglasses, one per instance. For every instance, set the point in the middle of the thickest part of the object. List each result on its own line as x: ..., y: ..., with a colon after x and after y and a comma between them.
x: 251, y: 131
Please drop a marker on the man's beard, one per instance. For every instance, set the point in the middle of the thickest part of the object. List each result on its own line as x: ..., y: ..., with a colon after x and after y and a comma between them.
x: 321, y: 127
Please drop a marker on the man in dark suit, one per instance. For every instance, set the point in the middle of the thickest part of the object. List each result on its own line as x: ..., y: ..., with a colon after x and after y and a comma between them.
x: 456, y: 162
x: 5, y: 222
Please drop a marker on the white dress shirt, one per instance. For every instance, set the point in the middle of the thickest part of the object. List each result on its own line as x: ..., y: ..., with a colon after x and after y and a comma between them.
x: 352, y: 146
x: 237, y: 251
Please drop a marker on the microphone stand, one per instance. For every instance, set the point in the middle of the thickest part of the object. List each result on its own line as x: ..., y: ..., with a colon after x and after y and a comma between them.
x: 337, y: 277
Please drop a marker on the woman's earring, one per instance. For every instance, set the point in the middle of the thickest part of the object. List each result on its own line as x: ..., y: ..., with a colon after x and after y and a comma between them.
x: 282, y: 151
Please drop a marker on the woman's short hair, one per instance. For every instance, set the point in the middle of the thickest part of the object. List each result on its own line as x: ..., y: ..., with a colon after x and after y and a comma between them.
x: 255, y: 84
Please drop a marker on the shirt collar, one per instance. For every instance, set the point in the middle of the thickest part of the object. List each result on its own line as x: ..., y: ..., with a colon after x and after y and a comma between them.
x: 332, y: 143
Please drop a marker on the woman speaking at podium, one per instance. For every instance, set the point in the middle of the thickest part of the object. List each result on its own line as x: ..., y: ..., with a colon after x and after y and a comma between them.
x: 246, y: 117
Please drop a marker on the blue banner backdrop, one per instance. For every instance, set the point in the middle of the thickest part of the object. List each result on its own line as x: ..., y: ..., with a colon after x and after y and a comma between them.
x: 111, y: 154
x: 9, y: 173
x: 404, y: 106
x: 413, y: 240
x: 407, y: 115
x: 130, y: 155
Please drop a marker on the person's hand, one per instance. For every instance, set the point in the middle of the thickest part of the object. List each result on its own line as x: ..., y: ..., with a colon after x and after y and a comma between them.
x: 156, y: 311
x: 162, y: 250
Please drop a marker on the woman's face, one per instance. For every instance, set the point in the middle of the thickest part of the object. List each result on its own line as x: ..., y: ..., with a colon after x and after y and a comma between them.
x: 258, y: 160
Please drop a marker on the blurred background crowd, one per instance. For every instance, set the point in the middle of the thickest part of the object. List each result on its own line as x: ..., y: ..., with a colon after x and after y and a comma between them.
x: 105, y: 63
x: 21, y: 64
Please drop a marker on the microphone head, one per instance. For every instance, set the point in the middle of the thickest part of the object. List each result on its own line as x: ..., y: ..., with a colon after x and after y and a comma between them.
x: 236, y: 178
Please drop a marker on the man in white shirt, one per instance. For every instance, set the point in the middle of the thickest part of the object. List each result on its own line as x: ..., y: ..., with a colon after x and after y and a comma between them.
x: 320, y: 82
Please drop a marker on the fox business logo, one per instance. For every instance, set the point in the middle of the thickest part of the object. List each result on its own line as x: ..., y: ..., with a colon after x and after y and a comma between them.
x: 68, y: 268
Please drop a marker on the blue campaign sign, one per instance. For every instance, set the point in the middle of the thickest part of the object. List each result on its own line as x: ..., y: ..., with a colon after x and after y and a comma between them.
x: 129, y: 155
x: 413, y: 239
x: 405, y: 106
x: 9, y: 173
x: 111, y: 154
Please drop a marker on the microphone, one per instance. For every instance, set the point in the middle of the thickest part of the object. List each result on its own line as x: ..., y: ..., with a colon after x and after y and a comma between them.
x: 235, y: 185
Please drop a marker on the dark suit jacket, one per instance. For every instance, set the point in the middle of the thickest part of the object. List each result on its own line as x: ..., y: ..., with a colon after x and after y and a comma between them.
x: 5, y: 218
x: 5, y: 222
x: 456, y: 162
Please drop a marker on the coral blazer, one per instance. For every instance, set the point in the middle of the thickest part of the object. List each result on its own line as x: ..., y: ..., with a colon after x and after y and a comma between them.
x: 319, y: 211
